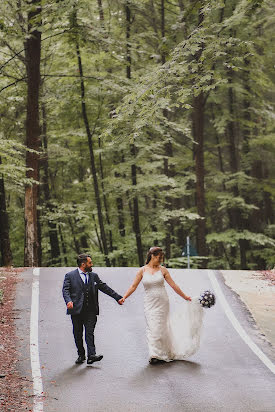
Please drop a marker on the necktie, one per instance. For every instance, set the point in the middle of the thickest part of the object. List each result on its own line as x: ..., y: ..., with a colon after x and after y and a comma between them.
x: 86, y: 278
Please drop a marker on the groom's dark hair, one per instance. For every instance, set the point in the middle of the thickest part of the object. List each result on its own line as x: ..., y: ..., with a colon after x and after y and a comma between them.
x: 82, y: 258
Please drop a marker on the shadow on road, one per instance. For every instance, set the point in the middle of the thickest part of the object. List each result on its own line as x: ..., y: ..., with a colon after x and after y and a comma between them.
x: 151, y: 372
x: 70, y: 374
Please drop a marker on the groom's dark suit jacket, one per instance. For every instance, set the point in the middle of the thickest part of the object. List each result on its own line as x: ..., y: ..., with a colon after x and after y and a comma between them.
x: 73, y: 290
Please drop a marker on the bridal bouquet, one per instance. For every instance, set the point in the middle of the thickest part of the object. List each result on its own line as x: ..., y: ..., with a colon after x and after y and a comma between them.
x: 207, y: 299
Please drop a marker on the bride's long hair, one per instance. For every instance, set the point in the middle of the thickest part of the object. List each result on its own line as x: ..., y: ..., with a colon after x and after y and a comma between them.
x: 155, y: 250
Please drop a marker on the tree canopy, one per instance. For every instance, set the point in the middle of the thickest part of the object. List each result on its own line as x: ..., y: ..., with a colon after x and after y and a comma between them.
x: 128, y: 124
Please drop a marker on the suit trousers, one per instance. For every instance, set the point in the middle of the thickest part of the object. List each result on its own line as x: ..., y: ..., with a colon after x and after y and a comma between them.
x: 86, y: 319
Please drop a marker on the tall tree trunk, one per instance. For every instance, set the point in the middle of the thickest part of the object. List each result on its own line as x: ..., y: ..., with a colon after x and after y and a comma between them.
x: 39, y: 228
x: 4, y: 226
x: 84, y: 242
x: 256, y: 218
x: 53, y: 235
x: 247, y: 106
x: 122, y: 261
x: 119, y: 158
x: 33, y: 55
x: 63, y: 245
x: 236, y: 219
x: 136, y: 224
x: 269, y: 215
x: 121, y: 224
x: 153, y: 16
x: 75, y: 240
x: 101, y: 12
x: 220, y: 157
x: 153, y: 225
x: 119, y: 201
x: 162, y: 13
x: 92, y: 157
x: 198, y: 136
x: 168, y: 148
x: 105, y: 203
x: 97, y: 235
x: 244, y: 221
x: 218, y: 223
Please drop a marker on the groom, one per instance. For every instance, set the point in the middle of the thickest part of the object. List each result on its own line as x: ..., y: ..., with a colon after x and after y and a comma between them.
x: 80, y: 292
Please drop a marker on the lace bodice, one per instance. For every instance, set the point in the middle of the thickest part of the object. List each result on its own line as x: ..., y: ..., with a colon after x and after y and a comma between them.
x: 152, y: 281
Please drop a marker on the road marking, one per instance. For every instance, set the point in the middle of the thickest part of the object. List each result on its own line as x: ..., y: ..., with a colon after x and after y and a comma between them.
x: 236, y: 324
x: 34, y: 351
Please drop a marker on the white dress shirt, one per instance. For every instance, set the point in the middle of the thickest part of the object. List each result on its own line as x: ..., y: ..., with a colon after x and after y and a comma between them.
x: 82, y: 275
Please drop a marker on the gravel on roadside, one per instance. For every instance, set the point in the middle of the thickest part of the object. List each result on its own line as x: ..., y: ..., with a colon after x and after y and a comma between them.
x: 268, y: 275
x: 13, y: 396
x: 257, y: 290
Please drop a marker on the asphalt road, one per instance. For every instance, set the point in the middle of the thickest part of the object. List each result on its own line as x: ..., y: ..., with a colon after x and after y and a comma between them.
x: 224, y: 375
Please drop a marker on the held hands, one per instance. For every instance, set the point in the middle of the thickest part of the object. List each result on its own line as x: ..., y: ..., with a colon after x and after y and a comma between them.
x: 70, y: 305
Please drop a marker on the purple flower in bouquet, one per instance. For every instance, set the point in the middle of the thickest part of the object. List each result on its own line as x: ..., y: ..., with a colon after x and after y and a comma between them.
x: 207, y: 299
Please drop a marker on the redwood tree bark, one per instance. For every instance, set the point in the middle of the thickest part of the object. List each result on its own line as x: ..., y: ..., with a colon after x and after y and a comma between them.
x: 33, y: 55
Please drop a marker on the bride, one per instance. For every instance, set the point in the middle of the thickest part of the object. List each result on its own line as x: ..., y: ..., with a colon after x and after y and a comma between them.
x: 169, y: 337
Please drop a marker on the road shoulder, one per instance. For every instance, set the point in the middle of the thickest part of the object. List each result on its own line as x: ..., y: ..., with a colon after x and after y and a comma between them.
x: 257, y: 292
x: 13, y: 383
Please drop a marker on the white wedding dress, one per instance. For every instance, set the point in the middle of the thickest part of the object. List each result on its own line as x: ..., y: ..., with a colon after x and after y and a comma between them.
x: 169, y: 336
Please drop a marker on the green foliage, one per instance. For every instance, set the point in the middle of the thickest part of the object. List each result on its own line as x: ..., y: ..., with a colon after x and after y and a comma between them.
x: 13, y: 168
x: 232, y: 237
x: 182, y: 262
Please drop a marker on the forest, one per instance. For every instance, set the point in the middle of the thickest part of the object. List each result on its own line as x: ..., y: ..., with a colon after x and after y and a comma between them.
x: 132, y: 123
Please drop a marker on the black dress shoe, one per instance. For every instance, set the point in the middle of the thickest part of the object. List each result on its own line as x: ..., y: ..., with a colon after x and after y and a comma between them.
x: 94, y: 358
x: 80, y: 359
x: 154, y: 361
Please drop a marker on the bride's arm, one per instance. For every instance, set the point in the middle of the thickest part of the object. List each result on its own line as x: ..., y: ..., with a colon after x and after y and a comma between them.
x: 134, y: 285
x: 173, y: 285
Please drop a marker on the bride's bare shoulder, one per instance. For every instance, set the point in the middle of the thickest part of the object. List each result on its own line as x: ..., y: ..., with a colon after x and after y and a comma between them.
x: 140, y: 271
x: 164, y: 271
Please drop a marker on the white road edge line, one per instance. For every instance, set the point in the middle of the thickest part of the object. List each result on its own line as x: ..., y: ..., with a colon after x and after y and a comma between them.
x: 34, y: 348
x: 236, y: 324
